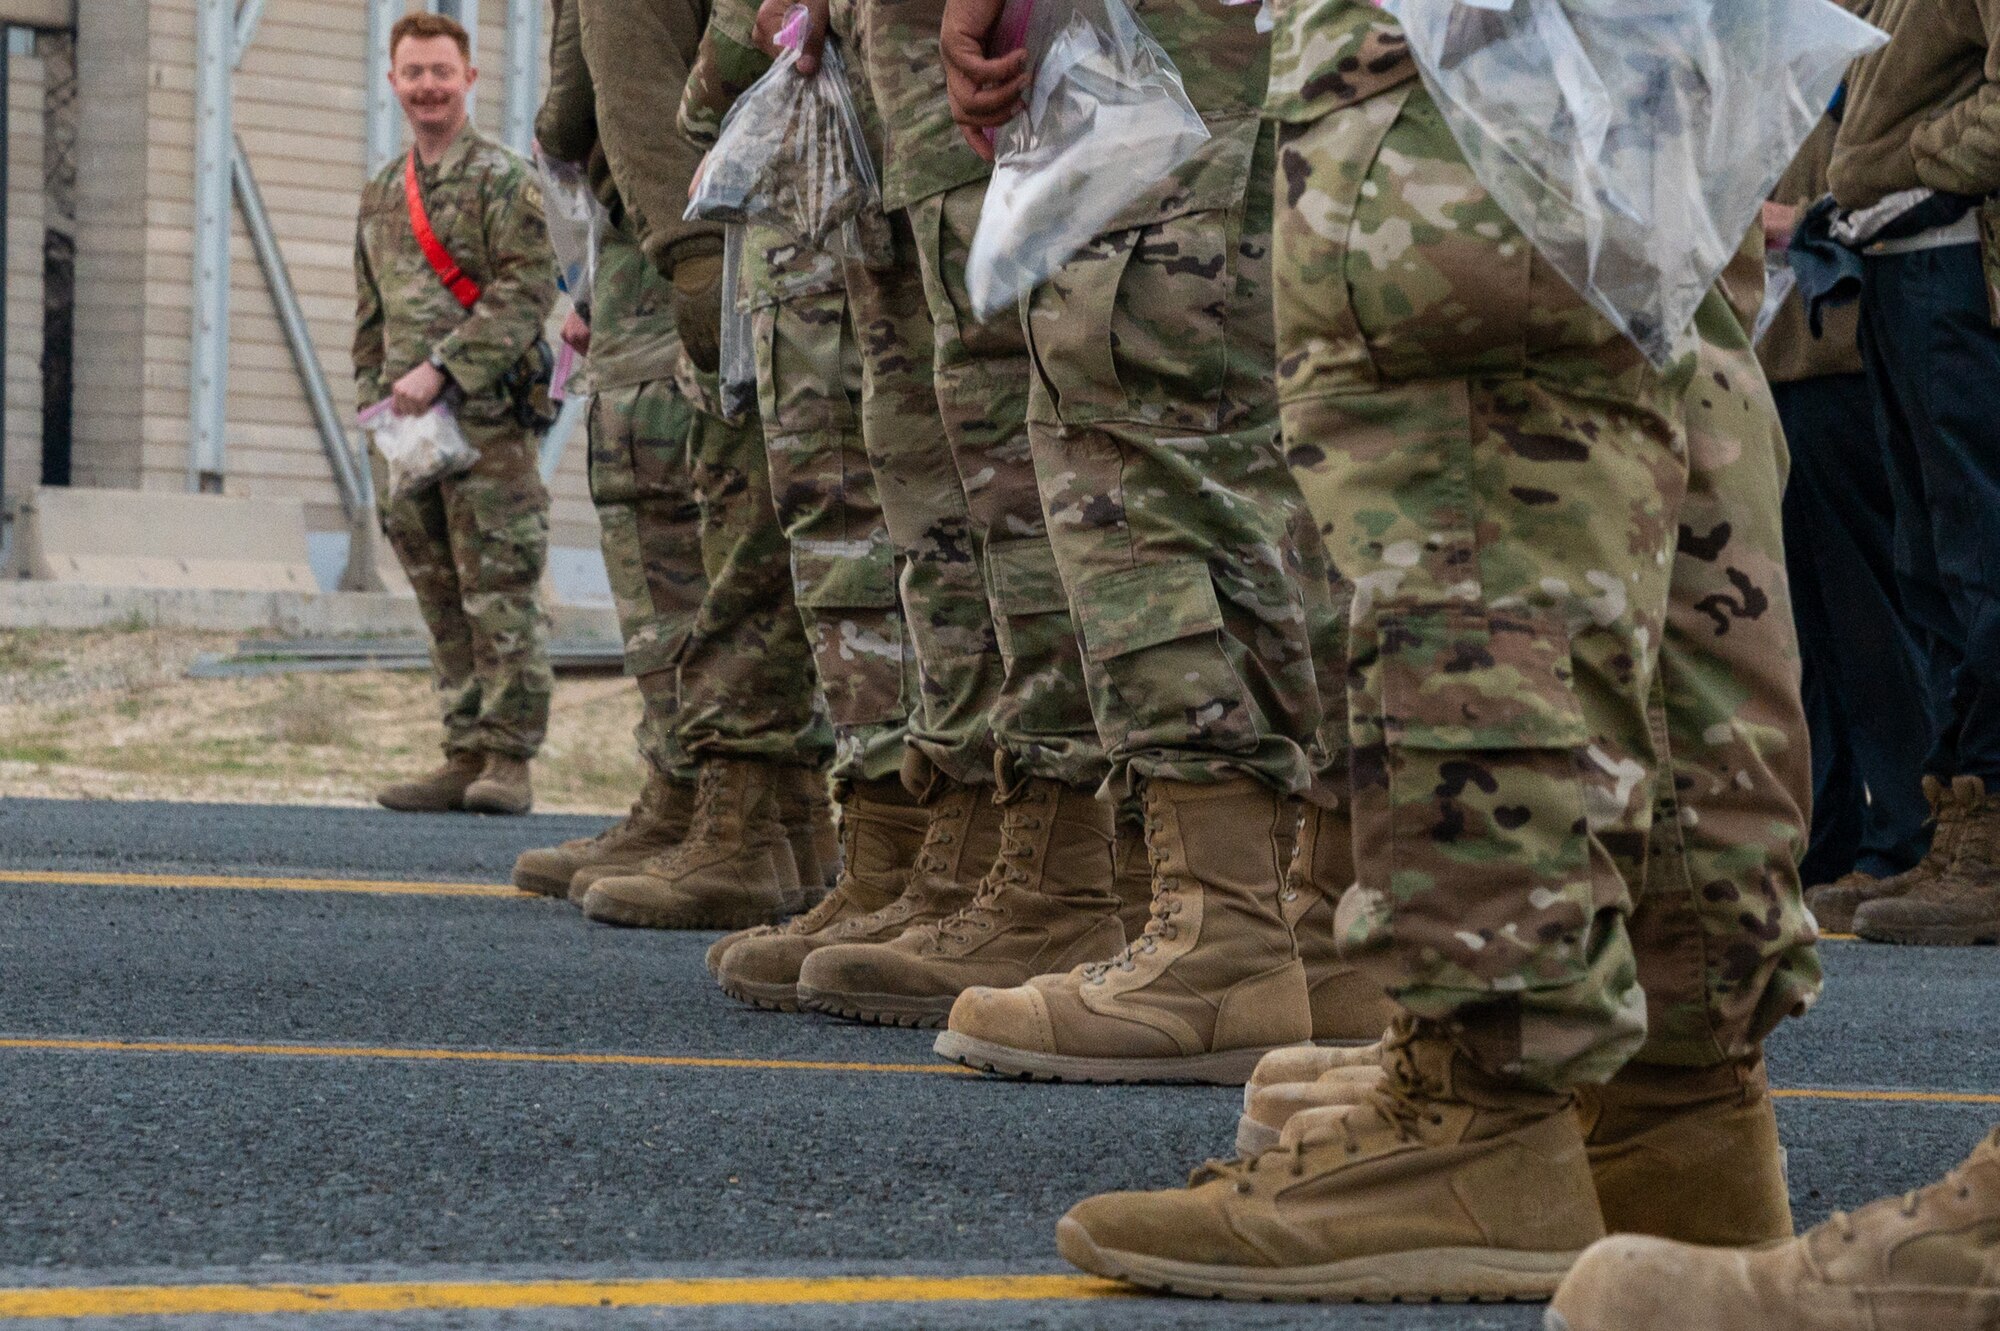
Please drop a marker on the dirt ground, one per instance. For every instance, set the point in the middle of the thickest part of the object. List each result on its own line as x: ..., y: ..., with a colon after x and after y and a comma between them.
x: 111, y: 714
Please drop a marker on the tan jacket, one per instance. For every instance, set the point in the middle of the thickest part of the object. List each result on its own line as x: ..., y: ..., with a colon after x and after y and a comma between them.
x: 1789, y: 351
x: 638, y: 53
x: 1925, y: 109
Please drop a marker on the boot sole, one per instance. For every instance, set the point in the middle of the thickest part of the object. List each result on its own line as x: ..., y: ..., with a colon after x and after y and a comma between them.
x: 1254, y: 1138
x: 769, y: 997
x: 543, y: 887
x: 1231, y: 1067
x: 496, y: 809
x: 1932, y: 935
x: 628, y: 916
x: 923, y: 1014
x: 1432, y: 1275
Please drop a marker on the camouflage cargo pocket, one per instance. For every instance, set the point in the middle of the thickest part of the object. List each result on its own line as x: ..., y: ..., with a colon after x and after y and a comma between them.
x: 1156, y: 634
x: 847, y: 590
x: 1135, y: 326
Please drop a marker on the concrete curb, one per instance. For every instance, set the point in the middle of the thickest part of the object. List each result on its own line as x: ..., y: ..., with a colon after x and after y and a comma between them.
x: 61, y: 605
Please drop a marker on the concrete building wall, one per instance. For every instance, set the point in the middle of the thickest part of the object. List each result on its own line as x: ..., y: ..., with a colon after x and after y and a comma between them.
x: 26, y: 102
x: 300, y: 114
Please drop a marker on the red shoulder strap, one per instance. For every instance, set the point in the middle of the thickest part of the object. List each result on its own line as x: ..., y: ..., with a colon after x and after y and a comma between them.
x: 462, y: 288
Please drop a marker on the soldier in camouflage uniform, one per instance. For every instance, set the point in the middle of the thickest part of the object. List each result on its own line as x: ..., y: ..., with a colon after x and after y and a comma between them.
x: 1178, y: 532
x: 846, y: 345
x: 744, y: 713
x: 473, y: 545
x: 1578, y: 750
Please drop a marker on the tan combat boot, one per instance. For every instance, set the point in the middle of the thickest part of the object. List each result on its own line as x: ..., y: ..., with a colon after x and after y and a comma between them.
x: 443, y: 791
x: 1444, y: 1183
x: 1921, y: 1262
x: 1211, y: 986
x: 733, y: 870
x: 961, y: 843
x: 1267, y: 1108
x: 807, y: 813
x: 658, y: 821
x: 1046, y: 905
x: 1960, y: 906
x: 1688, y: 1153
x: 1346, y: 1006
x: 1834, y: 904
x: 882, y: 830
x: 503, y: 787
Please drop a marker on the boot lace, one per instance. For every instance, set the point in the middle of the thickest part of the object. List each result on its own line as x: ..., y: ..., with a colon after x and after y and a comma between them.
x: 1160, y: 922
x: 1013, y: 868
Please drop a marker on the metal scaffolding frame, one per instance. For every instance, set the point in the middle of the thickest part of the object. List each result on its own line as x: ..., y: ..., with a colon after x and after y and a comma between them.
x: 224, y: 31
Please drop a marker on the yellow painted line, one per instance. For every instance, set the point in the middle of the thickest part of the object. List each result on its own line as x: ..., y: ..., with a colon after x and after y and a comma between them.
x: 1840, y: 938
x: 393, y: 1053
x: 268, y: 1300
x: 383, y: 887
x: 1891, y: 1097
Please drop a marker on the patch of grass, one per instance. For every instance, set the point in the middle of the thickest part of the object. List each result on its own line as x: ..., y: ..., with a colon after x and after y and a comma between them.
x: 39, y: 754
x: 307, y: 717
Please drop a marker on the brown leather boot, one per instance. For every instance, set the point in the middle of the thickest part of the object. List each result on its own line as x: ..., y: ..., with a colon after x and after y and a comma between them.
x: 961, y: 843
x: 1046, y: 905
x: 1959, y: 907
x: 1834, y: 904
x: 1132, y: 877
x: 1346, y: 1006
x: 734, y: 869
x: 882, y: 831
x: 1920, y: 1262
x: 1442, y: 1183
x: 503, y: 787
x: 1688, y: 1153
x: 807, y: 813
x: 1212, y: 985
x: 658, y: 821
x: 442, y: 791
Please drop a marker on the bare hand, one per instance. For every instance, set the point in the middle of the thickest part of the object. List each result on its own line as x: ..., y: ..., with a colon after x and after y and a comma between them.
x: 416, y: 391
x: 985, y: 94
x: 771, y: 19
x: 1781, y: 222
x: 576, y: 332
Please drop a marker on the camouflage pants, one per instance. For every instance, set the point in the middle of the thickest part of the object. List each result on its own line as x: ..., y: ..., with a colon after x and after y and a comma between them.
x: 746, y: 677
x: 1041, y: 713
x: 1576, y: 737
x: 1173, y: 517
x: 651, y: 533
x: 474, y: 547
x: 844, y: 565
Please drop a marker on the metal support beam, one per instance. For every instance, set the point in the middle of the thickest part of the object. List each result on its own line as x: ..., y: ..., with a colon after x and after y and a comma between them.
x: 292, y: 318
x: 556, y: 441
x: 248, y: 16
x: 385, y: 118
x: 208, y: 378
x: 467, y: 14
x: 524, y: 74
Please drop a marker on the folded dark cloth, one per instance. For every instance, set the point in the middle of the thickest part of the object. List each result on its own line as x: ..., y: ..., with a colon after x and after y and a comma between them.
x: 1829, y: 273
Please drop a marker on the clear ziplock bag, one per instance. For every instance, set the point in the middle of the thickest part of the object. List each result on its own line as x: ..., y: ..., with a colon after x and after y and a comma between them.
x: 420, y: 450
x: 576, y: 224
x: 1633, y: 141
x: 1106, y: 120
x: 739, y: 347
x: 790, y: 153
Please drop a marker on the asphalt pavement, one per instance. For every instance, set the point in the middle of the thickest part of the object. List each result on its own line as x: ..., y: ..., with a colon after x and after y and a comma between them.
x: 370, y: 1088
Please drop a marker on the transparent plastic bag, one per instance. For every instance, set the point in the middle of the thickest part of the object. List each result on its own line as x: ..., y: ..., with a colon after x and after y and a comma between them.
x: 1633, y: 141
x: 420, y: 450
x: 576, y: 224
x: 1106, y: 120
x: 1779, y: 284
x: 791, y: 154
x: 739, y: 349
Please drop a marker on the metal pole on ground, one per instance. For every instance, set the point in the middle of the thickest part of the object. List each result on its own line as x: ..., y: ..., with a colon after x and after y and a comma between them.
x: 208, y: 374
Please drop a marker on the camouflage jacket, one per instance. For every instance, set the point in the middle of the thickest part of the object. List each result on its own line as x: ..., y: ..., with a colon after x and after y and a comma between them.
x: 923, y: 153
x: 725, y: 66
x: 486, y: 207
x: 632, y: 336
x: 639, y: 53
